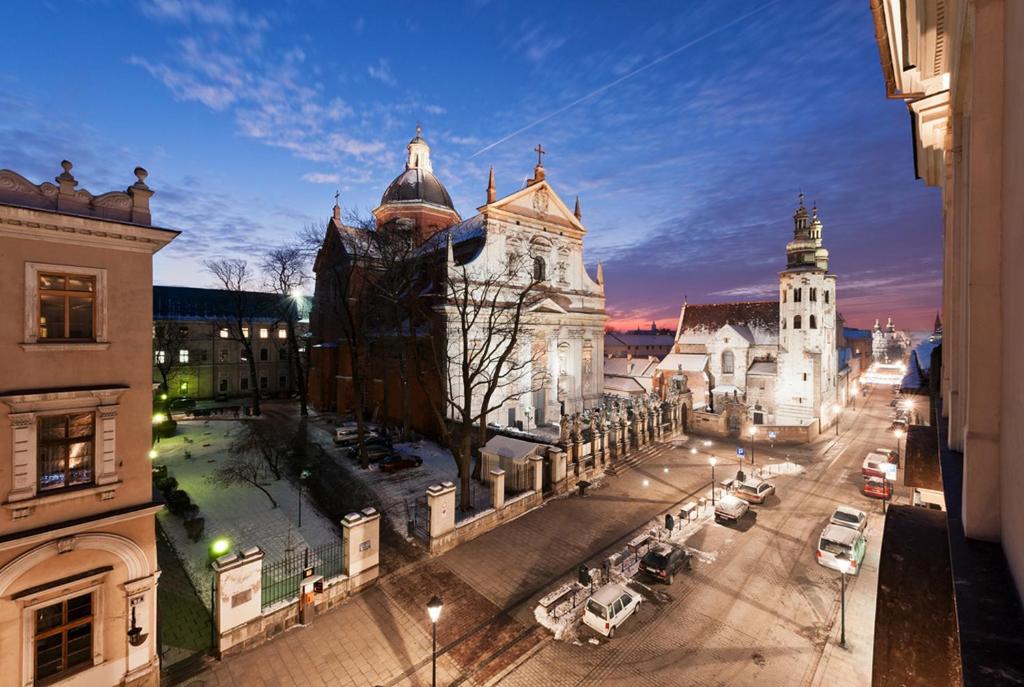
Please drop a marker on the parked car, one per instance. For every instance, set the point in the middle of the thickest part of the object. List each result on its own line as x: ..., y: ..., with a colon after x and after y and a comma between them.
x: 877, y: 465
x: 754, y: 490
x: 845, y: 516
x: 730, y: 508
x: 837, y: 543
x: 369, y: 439
x: 878, y: 487
x: 182, y: 403
x: 889, y: 453
x: 375, y: 452
x: 663, y: 561
x: 609, y: 607
x: 399, y: 461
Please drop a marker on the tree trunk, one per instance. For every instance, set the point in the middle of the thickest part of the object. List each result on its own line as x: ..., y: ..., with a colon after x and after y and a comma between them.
x: 465, y: 473
x: 260, y: 487
x: 253, y: 379
x: 298, y: 369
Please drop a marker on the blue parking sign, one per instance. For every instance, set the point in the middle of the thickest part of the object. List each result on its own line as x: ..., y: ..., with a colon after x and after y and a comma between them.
x: 772, y: 435
x: 740, y: 452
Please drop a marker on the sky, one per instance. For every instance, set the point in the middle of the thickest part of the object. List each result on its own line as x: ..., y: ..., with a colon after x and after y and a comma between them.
x: 686, y: 128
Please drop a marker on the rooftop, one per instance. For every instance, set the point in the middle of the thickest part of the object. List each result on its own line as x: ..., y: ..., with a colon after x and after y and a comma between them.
x: 189, y: 303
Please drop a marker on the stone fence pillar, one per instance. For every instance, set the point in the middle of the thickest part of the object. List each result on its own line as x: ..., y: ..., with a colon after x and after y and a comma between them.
x: 360, y: 536
x: 239, y: 597
x: 537, y: 465
x: 441, y: 502
x: 557, y: 469
x: 497, y: 489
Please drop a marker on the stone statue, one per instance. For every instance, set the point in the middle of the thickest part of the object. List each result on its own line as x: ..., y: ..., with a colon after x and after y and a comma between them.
x: 563, y: 435
x: 593, y: 424
x: 577, y: 429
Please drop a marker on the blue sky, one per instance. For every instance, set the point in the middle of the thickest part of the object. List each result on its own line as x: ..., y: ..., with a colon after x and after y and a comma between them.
x: 687, y: 129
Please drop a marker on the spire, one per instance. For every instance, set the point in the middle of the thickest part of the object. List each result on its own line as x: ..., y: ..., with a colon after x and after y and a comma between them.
x: 451, y: 251
x: 577, y: 211
x: 492, y: 193
x: 337, y: 208
x: 600, y: 273
x: 938, y: 324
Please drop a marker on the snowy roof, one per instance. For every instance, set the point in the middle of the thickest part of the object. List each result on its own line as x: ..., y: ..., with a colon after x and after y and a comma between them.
x: 623, y: 384
x: 507, y: 447
x: 763, y: 367
x: 845, y: 536
x: 608, y: 594
x: 690, y: 362
x: 725, y: 389
x: 630, y: 367
x: 760, y: 318
x: 466, y: 230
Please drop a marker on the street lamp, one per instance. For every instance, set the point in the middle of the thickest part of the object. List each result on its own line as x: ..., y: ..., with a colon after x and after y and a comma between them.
x: 844, y: 567
x: 898, y: 433
x: 302, y: 479
x: 838, y: 410
x: 712, y: 460
x: 693, y: 451
x: 434, y: 607
x: 752, y: 432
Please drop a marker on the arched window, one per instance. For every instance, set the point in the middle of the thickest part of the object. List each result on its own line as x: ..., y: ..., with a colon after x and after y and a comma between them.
x: 728, y: 362
x: 538, y: 269
x: 798, y: 295
x: 814, y: 322
x: 826, y: 295
x: 783, y: 322
x: 796, y: 322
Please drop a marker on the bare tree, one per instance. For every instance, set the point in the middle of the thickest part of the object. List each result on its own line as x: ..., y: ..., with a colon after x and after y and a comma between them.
x: 269, y: 438
x: 235, y: 278
x: 284, y: 274
x: 479, y: 354
x: 242, y: 468
x: 168, y: 338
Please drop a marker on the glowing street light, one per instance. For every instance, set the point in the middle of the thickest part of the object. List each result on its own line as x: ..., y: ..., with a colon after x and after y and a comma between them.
x: 693, y: 451
x: 434, y: 607
x: 159, y: 418
x: 219, y: 547
x: 844, y: 568
x: 153, y: 454
x: 711, y: 461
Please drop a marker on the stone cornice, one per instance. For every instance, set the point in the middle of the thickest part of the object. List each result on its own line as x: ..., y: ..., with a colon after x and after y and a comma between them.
x: 43, y: 225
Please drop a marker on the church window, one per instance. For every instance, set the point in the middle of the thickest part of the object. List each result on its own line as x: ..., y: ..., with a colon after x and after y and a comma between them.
x: 796, y: 322
x: 538, y: 269
x: 826, y: 295
x: 728, y: 362
x: 814, y: 293
x: 783, y: 295
x: 797, y: 295
x: 814, y: 322
x: 783, y: 322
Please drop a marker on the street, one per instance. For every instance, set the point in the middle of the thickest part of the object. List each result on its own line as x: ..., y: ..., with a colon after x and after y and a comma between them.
x: 762, y: 611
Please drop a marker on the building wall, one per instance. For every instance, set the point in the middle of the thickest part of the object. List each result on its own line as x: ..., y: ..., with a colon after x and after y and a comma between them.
x: 96, y: 539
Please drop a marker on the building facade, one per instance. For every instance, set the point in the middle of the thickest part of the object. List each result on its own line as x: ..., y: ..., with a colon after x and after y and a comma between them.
x: 776, y: 358
x: 562, y: 334
x: 196, y: 346
x: 889, y: 345
x: 639, y: 343
x: 78, y: 565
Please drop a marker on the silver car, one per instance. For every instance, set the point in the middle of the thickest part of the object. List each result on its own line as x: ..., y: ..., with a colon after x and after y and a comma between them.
x: 731, y: 508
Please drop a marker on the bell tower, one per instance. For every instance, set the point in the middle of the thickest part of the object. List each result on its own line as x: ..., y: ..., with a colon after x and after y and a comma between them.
x: 807, y: 367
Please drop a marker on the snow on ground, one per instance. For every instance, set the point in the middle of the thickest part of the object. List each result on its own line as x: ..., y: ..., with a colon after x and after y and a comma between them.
x: 241, y: 513
x: 776, y: 469
x: 398, y: 491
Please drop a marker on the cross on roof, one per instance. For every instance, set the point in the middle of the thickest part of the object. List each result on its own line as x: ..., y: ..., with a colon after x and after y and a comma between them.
x: 540, y: 151
x: 336, y: 194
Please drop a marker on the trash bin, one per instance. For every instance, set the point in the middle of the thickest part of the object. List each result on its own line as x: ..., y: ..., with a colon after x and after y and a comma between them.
x: 582, y: 486
x: 670, y: 524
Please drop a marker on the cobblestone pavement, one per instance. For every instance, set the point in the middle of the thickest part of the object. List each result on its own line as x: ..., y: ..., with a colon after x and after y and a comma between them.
x: 762, y: 612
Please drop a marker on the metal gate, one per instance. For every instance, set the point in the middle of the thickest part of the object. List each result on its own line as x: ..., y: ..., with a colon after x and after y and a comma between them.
x: 419, y: 519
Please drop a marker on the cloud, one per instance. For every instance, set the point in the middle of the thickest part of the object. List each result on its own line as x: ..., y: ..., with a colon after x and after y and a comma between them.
x: 321, y: 178
x: 534, y: 44
x: 359, y: 25
x: 381, y: 72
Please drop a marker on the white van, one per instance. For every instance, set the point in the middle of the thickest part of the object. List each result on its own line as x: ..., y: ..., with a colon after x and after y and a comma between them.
x: 609, y: 607
x: 842, y: 543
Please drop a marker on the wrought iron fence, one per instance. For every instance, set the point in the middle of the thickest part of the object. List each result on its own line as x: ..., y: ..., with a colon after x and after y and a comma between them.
x: 281, y: 578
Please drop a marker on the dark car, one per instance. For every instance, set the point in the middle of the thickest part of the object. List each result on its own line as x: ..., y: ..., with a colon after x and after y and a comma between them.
x: 375, y: 452
x: 663, y: 561
x: 182, y: 403
x: 399, y: 461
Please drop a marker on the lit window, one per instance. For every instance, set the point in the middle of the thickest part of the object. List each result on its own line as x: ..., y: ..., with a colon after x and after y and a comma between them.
x: 160, y: 357
x: 264, y: 333
x: 245, y: 332
x: 282, y: 333
x: 65, y: 445
x: 183, y: 388
x: 183, y: 355
x: 63, y: 637
x: 66, y: 307
x: 223, y: 332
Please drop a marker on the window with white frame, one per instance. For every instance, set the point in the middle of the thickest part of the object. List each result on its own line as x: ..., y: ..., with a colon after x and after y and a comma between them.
x: 160, y: 357
x: 66, y: 448
x: 65, y: 304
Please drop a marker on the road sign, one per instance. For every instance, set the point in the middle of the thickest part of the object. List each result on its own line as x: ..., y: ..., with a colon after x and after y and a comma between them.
x: 740, y: 452
x: 772, y: 435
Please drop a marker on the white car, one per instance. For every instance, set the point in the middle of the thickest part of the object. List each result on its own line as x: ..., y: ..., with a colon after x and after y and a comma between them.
x: 845, y: 516
x: 609, y: 607
x: 838, y: 543
x: 731, y: 508
x: 754, y: 490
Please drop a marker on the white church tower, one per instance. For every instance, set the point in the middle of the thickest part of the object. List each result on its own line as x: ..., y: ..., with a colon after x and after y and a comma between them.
x: 807, y: 366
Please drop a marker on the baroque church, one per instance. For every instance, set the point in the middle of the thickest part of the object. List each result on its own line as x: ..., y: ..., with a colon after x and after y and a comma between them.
x: 776, y: 359
x: 562, y: 338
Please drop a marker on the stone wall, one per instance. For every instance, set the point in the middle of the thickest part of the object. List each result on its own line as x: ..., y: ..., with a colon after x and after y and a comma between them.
x: 485, y: 521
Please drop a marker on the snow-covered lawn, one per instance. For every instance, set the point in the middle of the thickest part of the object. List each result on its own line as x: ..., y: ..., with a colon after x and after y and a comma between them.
x: 398, y: 491
x: 241, y: 513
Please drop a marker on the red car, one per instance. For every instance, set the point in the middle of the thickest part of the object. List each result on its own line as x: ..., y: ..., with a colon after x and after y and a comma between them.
x: 397, y: 461
x: 877, y: 487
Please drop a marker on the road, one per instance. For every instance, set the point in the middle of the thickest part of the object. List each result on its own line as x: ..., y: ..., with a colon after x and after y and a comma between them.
x: 762, y: 611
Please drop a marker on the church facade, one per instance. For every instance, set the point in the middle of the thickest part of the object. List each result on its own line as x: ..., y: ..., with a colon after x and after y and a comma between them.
x: 561, y: 341
x: 775, y: 360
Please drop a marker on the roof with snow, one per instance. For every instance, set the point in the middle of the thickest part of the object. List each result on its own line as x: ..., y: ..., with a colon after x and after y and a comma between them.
x: 689, y: 362
x: 507, y: 447
x: 468, y: 237
x: 630, y: 367
x: 189, y: 303
x: 763, y: 367
x: 756, y: 320
x: 626, y: 385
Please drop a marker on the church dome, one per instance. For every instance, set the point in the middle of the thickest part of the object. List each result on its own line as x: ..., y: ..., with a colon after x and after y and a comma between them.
x: 417, y: 184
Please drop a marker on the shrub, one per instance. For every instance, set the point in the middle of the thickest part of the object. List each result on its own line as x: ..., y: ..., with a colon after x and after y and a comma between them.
x: 178, y: 502
x: 167, y: 486
x: 194, y: 527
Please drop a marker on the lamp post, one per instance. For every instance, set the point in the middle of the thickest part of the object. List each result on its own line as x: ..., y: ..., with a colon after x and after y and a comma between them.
x: 752, y: 432
x: 844, y: 567
x: 838, y: 410
x: 712, y: 460
x: 898, y: 433
x: 302, y: 479
x: 434, y: 611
